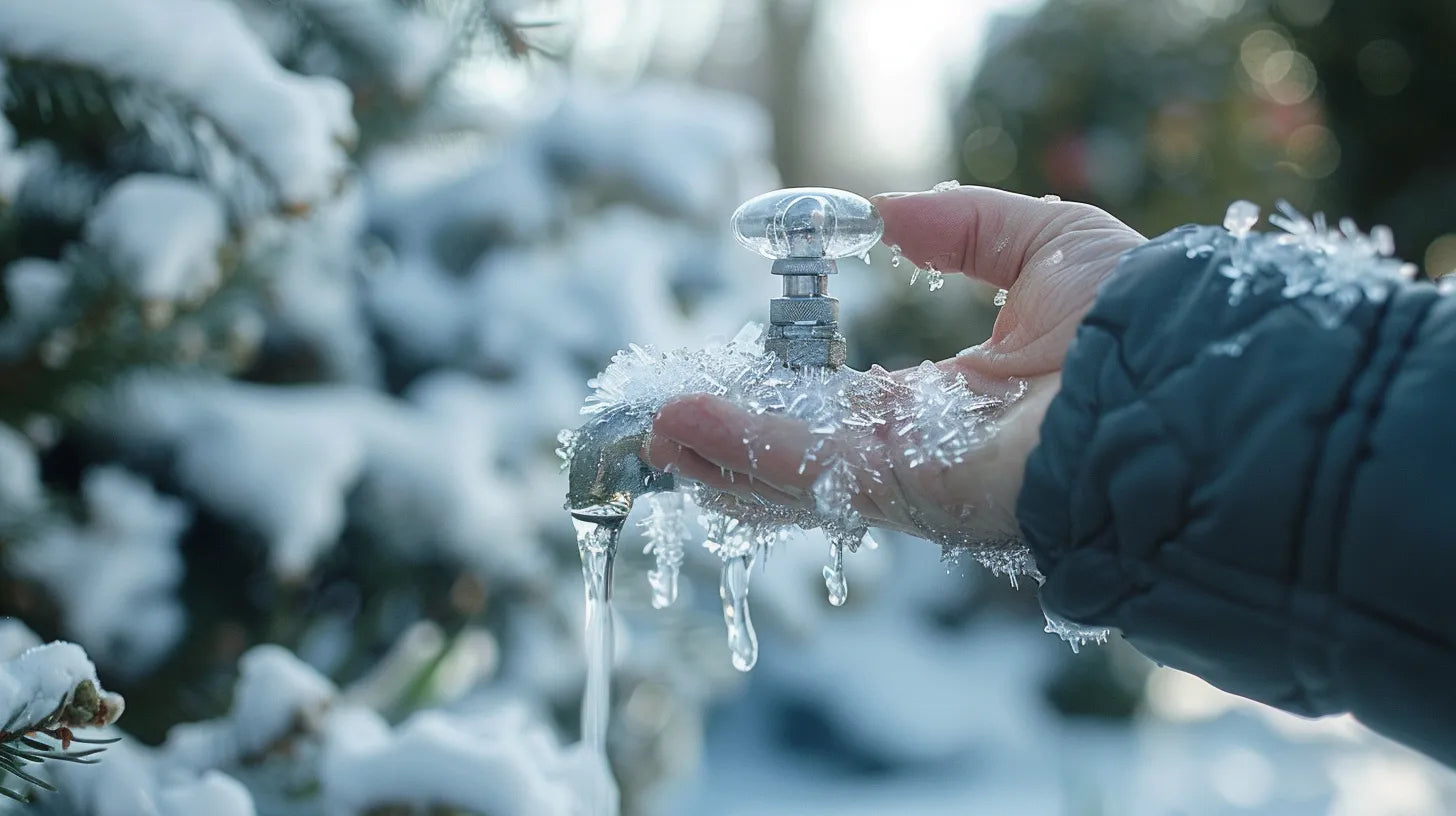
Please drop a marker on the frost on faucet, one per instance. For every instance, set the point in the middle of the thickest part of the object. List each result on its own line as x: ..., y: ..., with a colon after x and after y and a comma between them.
x: 863, y: 424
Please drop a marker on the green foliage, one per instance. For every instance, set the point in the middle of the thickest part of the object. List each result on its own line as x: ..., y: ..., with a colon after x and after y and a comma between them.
x: 1164, y: 112
x: 20, y: 748
x: 103, y: 331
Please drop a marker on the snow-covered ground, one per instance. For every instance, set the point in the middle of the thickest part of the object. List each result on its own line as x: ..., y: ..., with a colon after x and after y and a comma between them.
x: 884, y: 711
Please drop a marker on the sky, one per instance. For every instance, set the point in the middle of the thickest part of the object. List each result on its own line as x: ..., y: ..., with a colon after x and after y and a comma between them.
x: 902, y: 63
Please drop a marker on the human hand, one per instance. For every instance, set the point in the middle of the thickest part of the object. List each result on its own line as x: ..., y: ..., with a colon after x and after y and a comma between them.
x: 1050, y: 255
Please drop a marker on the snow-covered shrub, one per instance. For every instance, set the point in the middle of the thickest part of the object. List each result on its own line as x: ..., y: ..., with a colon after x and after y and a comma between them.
x: 291, y: 316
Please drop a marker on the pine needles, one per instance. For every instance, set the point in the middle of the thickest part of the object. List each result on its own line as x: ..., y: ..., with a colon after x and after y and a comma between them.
x: 19, y: 750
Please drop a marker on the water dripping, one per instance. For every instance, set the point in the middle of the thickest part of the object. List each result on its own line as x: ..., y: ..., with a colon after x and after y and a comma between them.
x: 742, y: 641
x: 597, y: 531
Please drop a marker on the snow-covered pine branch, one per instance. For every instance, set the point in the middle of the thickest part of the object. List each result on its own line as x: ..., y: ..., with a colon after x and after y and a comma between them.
x: 403, y: 50
x: 113, y: 578
x: 493, y: 758
x: 218, y: 103
x: 49, y: 690
x: 156, y: 279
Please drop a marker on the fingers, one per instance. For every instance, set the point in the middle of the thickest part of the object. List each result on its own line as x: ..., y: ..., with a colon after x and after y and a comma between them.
x: 986, y: 233
x: 667, y: 455
x: 703, y: 438
x: 716, y: 431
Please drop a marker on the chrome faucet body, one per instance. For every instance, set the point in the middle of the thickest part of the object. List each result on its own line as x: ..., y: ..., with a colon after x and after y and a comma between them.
x: 605, y: 471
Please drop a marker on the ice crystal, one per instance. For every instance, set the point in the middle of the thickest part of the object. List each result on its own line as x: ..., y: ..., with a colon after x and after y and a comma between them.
x: 895, y: 256
x: 1000, y: 298
x: 565, y: 447
x: 1328, y: 271
x: 834, y: 582
x: 835, y: 491
x: 945, y: 186
x: 1241, y: 218
x: 647, y: 379
x: 1075, y: 634
x: 944, y: 420
x: 667, y: 533
x: 861, y: 425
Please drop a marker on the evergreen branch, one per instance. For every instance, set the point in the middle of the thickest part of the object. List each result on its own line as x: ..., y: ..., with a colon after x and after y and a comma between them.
x: 50, y: 207
x: 103, y: 330
x: 50, y: 690
x: 116, y: 127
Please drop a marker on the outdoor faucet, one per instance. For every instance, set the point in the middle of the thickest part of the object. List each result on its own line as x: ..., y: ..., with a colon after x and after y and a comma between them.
x: 605, y: 471
x: 804, y: 231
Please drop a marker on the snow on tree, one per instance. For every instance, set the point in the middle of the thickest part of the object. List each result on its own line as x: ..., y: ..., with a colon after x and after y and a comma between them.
x: 46, y: 690
x: 290, y: 315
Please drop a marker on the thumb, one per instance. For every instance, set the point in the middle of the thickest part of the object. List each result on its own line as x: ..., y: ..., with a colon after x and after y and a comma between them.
x: 988, y: 234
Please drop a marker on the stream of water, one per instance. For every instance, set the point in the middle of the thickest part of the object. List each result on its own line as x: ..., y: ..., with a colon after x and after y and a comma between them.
x: 597, y: 531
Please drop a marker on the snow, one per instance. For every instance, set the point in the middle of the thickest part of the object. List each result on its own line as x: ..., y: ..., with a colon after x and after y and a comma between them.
x: 423, y: 471
x: 20, y: 488
x: 276, y: 694
x: 671, y: 144
x: 34, y: 288
x: 15, y: 637
x: 494, y: 758
x: 312, y: 280
x: 881, y: 708
x: 40, y: 681
x: 132, y: 780
x: 11, y: 166
x: 163, y: 235
x: 213, y: 793
x: 292, y: 125
x: 115, y: 577
x: 410, y: 50
x: 505, y: 761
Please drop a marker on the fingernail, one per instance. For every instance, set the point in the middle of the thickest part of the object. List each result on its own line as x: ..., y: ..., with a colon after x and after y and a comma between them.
x: 887, y: 196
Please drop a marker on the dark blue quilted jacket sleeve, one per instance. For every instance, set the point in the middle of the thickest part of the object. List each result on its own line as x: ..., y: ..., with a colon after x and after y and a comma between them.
x: 1258, y: 496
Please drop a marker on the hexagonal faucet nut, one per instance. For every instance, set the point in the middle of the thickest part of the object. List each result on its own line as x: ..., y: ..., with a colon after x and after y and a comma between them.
x: 807, y: 346
x: 803, y: 311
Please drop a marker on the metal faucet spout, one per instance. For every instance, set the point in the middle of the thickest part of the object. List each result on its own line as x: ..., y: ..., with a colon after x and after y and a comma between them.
x: 605, y: 471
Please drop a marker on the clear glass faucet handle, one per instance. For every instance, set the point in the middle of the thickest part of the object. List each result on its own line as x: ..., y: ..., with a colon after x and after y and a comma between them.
x: 808, y: 222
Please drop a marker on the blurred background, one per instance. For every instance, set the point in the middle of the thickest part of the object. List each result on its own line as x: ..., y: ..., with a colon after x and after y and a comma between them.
x: 297, y: 294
